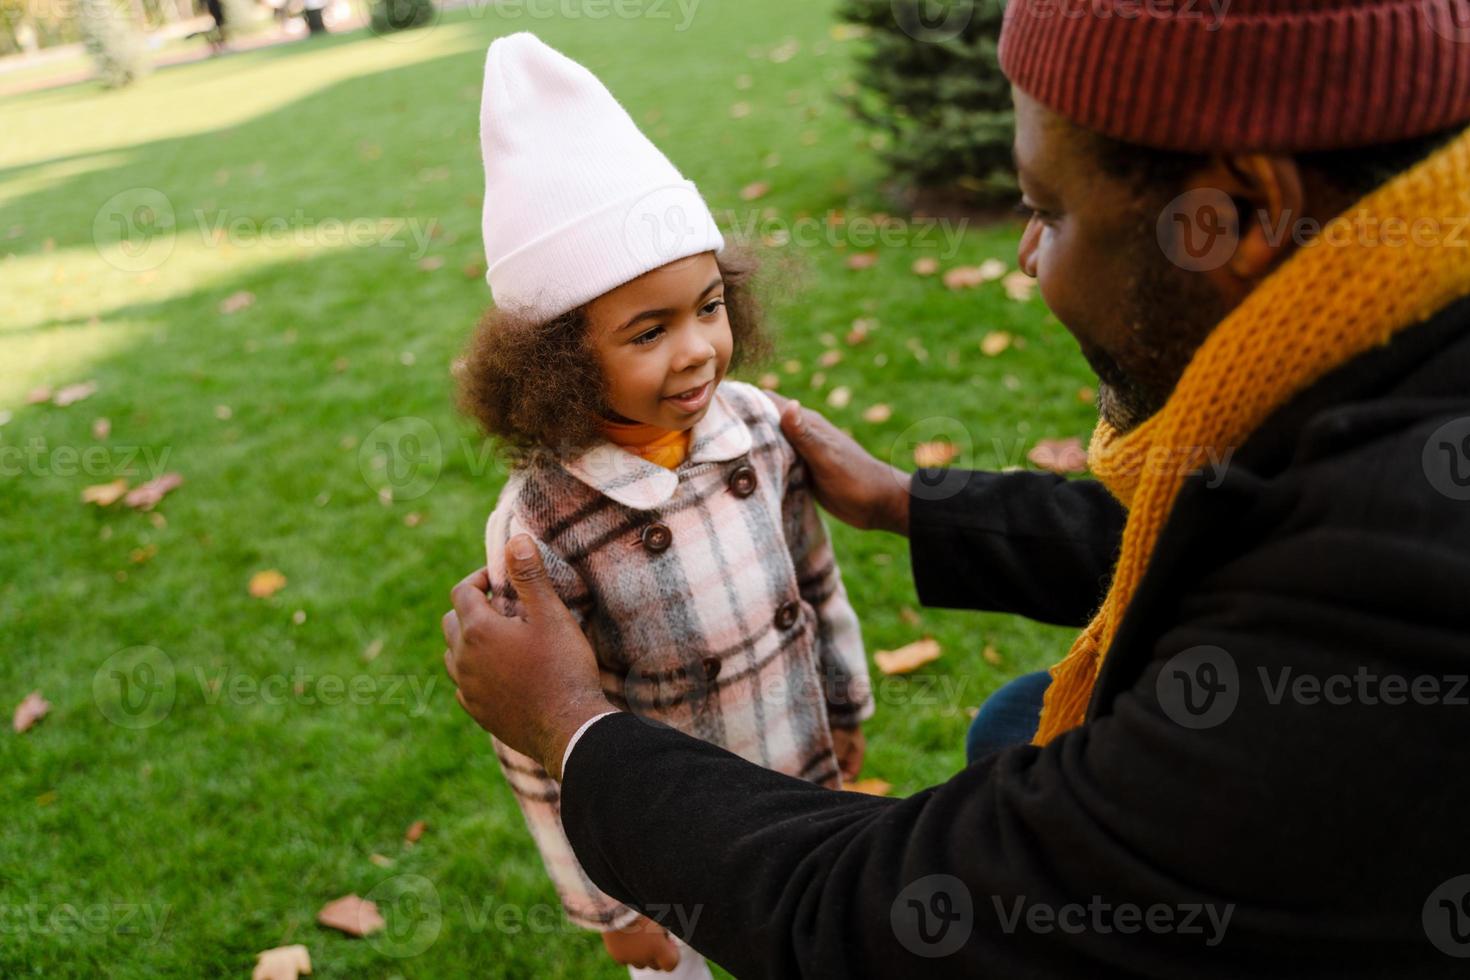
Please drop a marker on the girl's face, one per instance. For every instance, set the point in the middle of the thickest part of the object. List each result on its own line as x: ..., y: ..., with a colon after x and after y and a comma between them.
x: 662, y: 335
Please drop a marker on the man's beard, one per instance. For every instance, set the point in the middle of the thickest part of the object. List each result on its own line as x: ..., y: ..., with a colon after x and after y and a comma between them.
x: 1170, y: 312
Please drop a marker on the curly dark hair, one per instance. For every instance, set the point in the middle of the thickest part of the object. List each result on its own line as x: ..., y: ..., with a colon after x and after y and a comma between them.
x: 535, y: 385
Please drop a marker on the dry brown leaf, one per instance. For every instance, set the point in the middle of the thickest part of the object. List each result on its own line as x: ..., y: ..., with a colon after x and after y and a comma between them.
x: 150, y: 494
x: 739, y: 110
x: 39, y: 394
x: 381, y: 860
x: 282, y: 963
x: 431, y: 263
x: 1019, y: 286
x: 840, y: 397
x: 352, y: 915
x: 877, y: 413
x: 909, y: 616
x: 414, y: 832
x: 1059, y: 455
x: 991, y: 655
x: 105, y: 494
x: 862, y: 260
x: 755, y: 191
x: 101, y: 428
x: 872, y: 787
x: 907, y: 658
x: 139, y: 556
x: 30, y: 711
x: 962, y: 277
x: 830, y: 358
x: 72, y: 394
x: 265, y: 584
x: 926, y: 266
x: 770, y: 381
x: 934, y: 453
x: 1087, y: 395
x: 995, y: 343
x: 235, y: 302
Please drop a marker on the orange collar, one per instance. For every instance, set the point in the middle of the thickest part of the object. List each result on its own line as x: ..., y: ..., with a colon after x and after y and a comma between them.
x: 663, y: 447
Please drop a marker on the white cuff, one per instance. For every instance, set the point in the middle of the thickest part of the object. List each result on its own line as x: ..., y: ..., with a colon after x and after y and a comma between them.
x: 572, y: 742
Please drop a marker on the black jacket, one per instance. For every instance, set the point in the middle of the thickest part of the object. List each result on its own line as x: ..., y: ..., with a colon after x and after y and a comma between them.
x: 1244, y: 801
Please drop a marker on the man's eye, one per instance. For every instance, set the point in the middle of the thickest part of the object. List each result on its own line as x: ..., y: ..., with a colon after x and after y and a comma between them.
x: 1030, y: 212
x: 709, y: 308
x: 649, y: 336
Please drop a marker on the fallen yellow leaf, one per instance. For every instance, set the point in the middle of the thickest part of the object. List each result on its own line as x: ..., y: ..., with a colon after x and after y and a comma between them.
x: 30, y: 711
x: 105, y: 494
x: 995, y: 343
x: 282, y: 963
x: 907, y: 658
x: 352, y: 915
x: 934, y: 453
x: 265, y: 584
x: 872, y: 787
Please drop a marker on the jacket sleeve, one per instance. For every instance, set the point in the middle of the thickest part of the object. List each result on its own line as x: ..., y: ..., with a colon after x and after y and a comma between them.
x: 1289, y: 836
x: 840, y: 655
x: 538, y: 795
x: 1034, y: 544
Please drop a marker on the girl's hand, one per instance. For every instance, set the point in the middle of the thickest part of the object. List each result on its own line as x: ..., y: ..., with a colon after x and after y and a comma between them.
x: 849, y: 744
x: 645, y: 944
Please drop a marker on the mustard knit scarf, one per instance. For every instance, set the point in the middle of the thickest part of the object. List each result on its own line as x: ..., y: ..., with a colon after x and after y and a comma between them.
x: 1397, y: 257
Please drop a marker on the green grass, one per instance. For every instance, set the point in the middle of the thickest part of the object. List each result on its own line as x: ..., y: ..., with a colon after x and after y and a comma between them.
x: 183, y: 847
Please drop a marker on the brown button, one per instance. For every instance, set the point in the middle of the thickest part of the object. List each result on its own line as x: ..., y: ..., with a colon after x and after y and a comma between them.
x: 742, y: 480
x: 786, y: 615
x: 657, y: 537
x: 711, y: 668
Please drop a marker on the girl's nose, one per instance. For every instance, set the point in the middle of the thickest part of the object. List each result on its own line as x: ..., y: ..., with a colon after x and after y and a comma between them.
x: 695, y: 351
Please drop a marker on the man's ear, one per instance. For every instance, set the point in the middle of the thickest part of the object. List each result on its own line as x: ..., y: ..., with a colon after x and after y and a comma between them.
x: 1266, y: 190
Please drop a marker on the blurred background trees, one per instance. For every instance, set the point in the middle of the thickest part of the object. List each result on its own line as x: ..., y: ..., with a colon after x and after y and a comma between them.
x: 929, y: 80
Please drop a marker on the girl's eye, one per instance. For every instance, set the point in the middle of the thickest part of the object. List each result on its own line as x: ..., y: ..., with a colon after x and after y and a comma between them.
x: 709, y: 308
x: 648, y: 337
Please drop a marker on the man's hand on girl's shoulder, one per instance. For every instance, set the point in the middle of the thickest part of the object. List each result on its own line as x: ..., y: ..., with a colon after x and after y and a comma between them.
x: 849, y: 482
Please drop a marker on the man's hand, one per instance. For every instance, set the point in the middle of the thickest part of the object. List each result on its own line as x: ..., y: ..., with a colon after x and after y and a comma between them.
x: 531, y: 681
x: 643, y: 944
x: 847, y: 480
x: 849, y: 745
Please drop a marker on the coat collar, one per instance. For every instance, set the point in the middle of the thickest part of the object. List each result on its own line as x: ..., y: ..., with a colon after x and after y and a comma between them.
x: 633, y: 481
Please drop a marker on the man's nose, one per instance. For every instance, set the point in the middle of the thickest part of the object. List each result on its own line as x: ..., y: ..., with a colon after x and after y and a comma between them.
x: 1026, y: 251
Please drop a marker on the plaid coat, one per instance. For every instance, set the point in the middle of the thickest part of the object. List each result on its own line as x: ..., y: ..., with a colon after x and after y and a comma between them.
x: 711, y: 596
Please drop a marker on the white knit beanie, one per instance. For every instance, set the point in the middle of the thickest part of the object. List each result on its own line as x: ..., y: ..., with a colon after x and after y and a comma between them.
x: 577, y: 200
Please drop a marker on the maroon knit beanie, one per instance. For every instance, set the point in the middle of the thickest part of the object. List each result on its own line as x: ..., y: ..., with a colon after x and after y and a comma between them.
x: 1242, y: 75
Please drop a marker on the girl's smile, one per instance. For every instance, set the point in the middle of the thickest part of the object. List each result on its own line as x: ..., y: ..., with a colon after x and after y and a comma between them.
x: 693, y: 399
